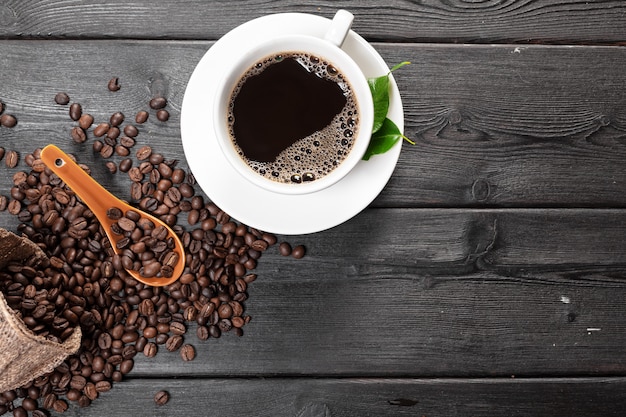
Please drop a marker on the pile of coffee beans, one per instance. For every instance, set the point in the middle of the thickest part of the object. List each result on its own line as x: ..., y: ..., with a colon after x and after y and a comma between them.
x: 86, y: 284
x: 146, y: 247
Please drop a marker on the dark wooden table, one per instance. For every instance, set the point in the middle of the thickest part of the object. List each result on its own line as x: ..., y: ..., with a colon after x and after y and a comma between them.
x: 487, y: 279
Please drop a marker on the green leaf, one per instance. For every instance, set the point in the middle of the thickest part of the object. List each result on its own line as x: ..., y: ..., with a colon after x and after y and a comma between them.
x: 385, y: 133
x: 380, y: 94
x: 383, y: 140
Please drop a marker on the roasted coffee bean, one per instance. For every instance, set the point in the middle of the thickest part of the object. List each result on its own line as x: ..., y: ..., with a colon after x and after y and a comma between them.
x: 97, y: 146
x: 85, y: 121
x: 106, y: 151
x: 60, y: 406
x: 112, y: 134
x: 158, y: 103
x: 144, y: 153
x: 125, y: 164
x: 101, y: 129
x: 78, y: 134
x: 174, y: 343
x: 61, y: 98
x: 130, y: 131
x: 187, y: 353
x: 121, y: 150
x: 116, y: 119
x: 284, y: 248
x: 163, y: 115
x: 161, y: 398
x: 111, y: 166
x: 8, y: 120
x: 76, y: 111
x: 298, y: 252
x: 127, y: 142
x: 141, y: 117
x: 114, y: 84
x: 11, y: 159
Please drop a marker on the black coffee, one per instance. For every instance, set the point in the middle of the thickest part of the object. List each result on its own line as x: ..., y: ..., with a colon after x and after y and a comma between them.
x: 292, y: 117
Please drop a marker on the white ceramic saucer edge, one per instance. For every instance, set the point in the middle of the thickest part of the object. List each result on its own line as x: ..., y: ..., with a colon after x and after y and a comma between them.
x: 264, y: 210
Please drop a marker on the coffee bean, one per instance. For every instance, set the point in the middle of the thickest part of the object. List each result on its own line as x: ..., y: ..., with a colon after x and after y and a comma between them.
x: 101, y: 129
x: 112, y: 134
x: 60, y: 406
x: 298, y: 252
x: 144, y: 153
x: 61, y: 98
x: 163, y: 115
x: 78, y: 134
x: 8, y: 120
x: 130, y: 131
x: 150, y: 350
x: 114, y: 84
x: 158, y: 102
x: 174, y: 343
x: 284, y: 248
x: 11, y: 159
x: 106, y: 151
x: 125, y: 164
x: 127, y: 141
x: 76, y: 111
x: 116, y: 119
x: 187, y: 353
x: 161, y: 398
x: 85, y: 121
x: 141, y: 117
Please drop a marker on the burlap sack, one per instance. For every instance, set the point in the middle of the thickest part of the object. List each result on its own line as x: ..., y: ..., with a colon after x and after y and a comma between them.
x: 25, y: 356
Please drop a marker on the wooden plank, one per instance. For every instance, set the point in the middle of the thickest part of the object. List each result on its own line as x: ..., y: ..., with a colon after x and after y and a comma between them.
x: 549, y: 21
x: 363, y: 397
x: 531, y: 126
x: 433, y: 293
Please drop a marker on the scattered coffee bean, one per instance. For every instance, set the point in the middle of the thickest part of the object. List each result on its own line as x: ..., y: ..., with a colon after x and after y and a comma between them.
x: 298, y: 252
x: 144, y: 153
x: 8, y: 120
x: 78, y: 134
x: 62, y: 99
x: 130, y: 131
x: 141, y: 117
x: 11, y: 159
x: 163, y: 115
x: 284, y: 248
x: 111, y: 166
x: 161, y: 398
x: 76, y: 111
x: 85, y: 121
x: 101, y: 129
x: 114, y: 84
x: 158, y: 103
x: 187, y: 353
x: 117, y: 119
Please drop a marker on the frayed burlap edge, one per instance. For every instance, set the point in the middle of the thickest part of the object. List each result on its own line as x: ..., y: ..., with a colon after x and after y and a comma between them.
x: 25, y: 356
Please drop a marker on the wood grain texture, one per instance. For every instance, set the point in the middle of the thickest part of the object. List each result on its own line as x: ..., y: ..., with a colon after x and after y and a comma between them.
x: 275, y: 397
x: 430, y: 293
x: 529, y: 126
x: 455, y: 21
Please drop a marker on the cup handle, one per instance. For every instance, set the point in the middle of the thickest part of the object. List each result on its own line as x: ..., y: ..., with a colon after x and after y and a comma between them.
x: 339, y: 27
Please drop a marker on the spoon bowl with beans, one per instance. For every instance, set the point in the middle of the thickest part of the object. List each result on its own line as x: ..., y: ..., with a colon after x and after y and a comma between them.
x: 148, y: 248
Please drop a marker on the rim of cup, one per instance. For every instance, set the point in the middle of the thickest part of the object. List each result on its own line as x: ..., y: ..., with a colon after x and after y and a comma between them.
x: 295, y: 44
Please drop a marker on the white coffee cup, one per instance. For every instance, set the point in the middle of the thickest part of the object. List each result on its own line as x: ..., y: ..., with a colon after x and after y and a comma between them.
x: 327, y: 48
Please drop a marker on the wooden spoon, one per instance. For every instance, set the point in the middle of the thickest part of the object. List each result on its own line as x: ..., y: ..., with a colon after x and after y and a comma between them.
x: 99, y: 200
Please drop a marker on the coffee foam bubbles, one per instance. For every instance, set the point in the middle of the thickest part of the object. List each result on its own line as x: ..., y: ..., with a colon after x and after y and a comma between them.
x: 318, y: 154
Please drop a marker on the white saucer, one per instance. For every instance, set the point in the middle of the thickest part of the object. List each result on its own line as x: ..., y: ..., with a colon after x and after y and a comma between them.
x: 254, y: 206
